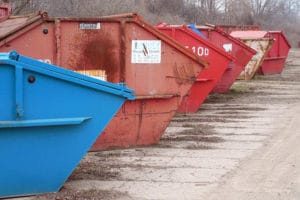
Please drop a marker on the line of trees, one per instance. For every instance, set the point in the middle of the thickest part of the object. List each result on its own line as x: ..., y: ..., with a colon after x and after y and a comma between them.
x: 269, y: 14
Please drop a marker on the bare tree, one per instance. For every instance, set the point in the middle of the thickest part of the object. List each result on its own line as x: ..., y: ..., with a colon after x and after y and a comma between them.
x: 269, y: 14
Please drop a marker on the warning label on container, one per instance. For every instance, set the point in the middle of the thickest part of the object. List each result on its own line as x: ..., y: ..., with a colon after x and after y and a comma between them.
x: 146, y: 51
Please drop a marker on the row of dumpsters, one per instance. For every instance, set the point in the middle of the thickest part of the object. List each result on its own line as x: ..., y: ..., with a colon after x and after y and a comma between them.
x: 73, y: 85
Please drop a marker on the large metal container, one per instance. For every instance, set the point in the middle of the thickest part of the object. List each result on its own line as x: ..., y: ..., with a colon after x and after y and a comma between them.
x: 275, y: 59
x: 219, y: 62
x: 120, y: 48
x: 235, y: 47
x: 256, y: 40
x: 49, y: 119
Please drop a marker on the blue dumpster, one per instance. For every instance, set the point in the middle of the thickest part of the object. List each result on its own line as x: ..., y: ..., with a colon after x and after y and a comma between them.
x: 49, y: 118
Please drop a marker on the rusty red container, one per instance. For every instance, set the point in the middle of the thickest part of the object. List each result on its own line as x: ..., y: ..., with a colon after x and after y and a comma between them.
x: 275, y: 59
x: 235, y: 47
x: 120, y: 48
x: 261, y: 42
x: 219, y: 62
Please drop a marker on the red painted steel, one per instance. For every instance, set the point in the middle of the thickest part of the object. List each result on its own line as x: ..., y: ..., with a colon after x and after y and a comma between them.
x: 275, y: 60
x: 235, y: 47
x: 219, y: 61
x: 120, y: 48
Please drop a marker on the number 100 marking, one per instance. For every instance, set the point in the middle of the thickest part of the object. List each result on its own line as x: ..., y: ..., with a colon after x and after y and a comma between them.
x: 200, y: 51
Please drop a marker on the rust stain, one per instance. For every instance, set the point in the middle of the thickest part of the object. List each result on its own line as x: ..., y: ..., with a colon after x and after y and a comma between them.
x: 262, y: 47
x: 94, y: 51
x: 140, y: 119
x: 184, y: 74
x: 122, y: 52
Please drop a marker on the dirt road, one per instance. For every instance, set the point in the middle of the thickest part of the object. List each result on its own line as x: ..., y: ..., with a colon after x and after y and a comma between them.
x: 273, y: 172
x: 240, y: 145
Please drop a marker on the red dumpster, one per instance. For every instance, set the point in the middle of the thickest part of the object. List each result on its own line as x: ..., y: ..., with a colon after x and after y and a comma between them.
x: 219, y: 61
x: 120, y: 48
x: 276, y: 57
x: 261, y: 42
x: 274, y: 61
x: 238, y: 49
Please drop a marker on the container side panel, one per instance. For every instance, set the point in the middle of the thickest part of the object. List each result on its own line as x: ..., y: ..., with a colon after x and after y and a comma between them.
x: 94, y: 52
x: 262, y: 47
x: 38, y: 43
x: 174, y: 74
x: 139, y: 122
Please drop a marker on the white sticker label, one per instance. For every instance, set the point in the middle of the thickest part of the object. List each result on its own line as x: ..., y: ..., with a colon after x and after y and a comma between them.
x: 146, y: 51
x: 227, y: 47
x: 90, y: 26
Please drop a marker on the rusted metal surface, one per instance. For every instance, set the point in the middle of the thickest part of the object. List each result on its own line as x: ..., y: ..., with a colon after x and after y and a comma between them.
x: 92, y: 51
x: 11, y: 26
x: 261, y: 42
x: 120, y: 48
x: 235, y: 47
x: 262, y: 46
x: 28, y: 36
x: 219, y: 62
x: 139, y: 122
x: 275, y: 60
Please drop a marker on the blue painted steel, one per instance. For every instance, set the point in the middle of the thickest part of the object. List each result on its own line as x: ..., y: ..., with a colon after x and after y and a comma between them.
x: 42, y: 122
x: 49, y: 118
x: 193, y: 27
